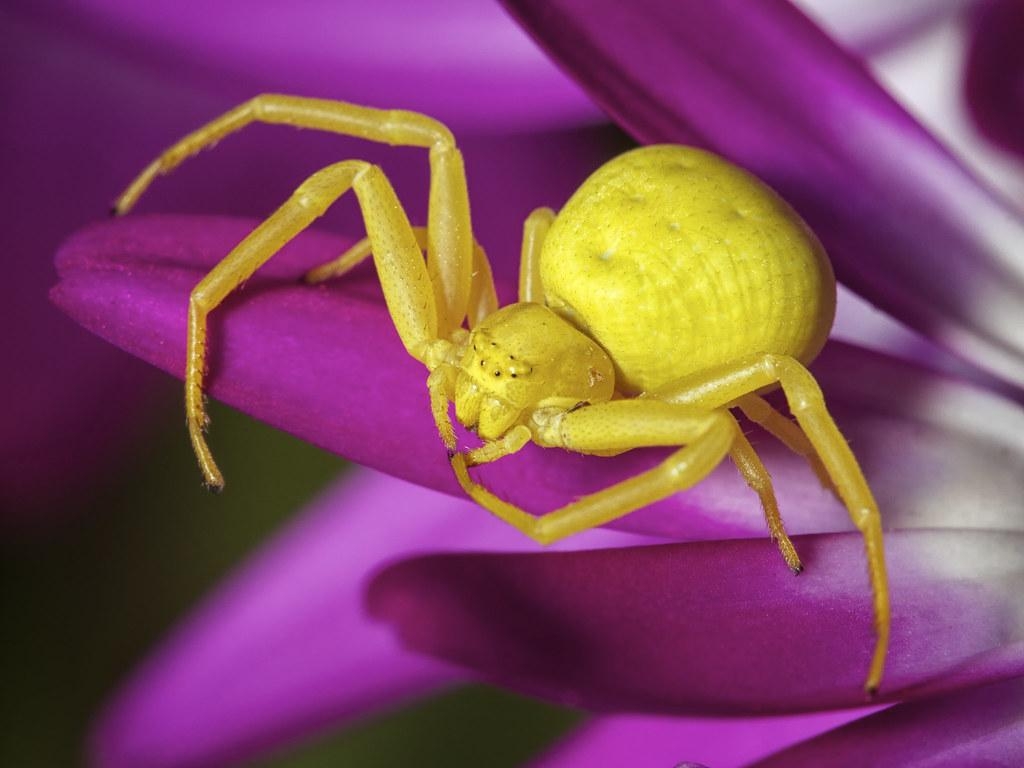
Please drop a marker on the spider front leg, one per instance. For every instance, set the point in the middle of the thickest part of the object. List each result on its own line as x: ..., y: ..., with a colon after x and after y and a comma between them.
x: 742, y: 453
x: 407, y: 286
x: 707, y: 436
x: 483, y: 299
x: 450, y: 235
x: 729, y: 384
x: 756, y: 476
x: 760, y: 411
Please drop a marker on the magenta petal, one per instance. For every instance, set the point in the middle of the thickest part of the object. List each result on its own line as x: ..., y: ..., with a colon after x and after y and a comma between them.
x: 326, y: 364
x: 983, y: 727
x: 654, y: 742
x: 908, y: 227
x: 718, y: 627
x: 465, y: 63
x: 994, y: 81
x: 58, y: 172
x: 284, y: 648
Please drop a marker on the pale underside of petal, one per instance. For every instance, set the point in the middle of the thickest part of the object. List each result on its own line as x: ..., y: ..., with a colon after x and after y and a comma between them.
x: 930, y: 74
x: 907, y: 226
x: 871, y: 26
x: 326, y: 364
x: 718, y: 627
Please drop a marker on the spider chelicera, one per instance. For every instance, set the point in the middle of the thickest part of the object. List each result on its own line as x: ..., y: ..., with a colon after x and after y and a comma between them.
x: 672, y: 287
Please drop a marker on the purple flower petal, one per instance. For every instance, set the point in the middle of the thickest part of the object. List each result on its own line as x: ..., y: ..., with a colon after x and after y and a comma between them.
x: 924, y: 72
x: 907, y: 226
x: 58, y: 174
x: 983, y: 727
x: 325, y: 363
x: 655, y: 742
x: 873, y: 26
x: 468, y: 64
x: 994, y: 81
x: 718, y: 627
x: 283, y: 648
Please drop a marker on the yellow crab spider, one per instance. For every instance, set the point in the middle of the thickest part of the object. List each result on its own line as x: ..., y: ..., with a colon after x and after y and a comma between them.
x: 671, y: 288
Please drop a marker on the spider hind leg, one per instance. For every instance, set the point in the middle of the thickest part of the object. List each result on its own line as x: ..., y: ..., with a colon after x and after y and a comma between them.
x: 730, y: 384
x: 756, y: 476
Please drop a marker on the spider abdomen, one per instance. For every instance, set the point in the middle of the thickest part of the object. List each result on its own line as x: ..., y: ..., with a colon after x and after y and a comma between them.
x: 676, y: 261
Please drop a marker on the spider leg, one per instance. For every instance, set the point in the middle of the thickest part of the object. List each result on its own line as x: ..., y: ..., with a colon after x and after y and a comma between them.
x: 400, y: 267
x: 441, y: 387
x: 352, y: 258
x: 511, y: 442
x: 450, y: 240
x: 535, y: 229
x: 746, y: 459
x: 727, y: 384
x: 616, y: 426
x: 760, y: 411
x: 756, y: 476
x: 482, y: 297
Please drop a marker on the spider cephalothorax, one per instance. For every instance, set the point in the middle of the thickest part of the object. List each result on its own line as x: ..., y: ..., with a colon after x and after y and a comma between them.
x: 671, y: 288
x: 524, y: 357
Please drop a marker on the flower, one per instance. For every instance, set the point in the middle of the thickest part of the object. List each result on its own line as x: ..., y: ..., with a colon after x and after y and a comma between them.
x: 712, y: 626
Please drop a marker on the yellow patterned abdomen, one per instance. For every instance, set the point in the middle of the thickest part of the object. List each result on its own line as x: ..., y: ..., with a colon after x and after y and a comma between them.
x: 676, y: 261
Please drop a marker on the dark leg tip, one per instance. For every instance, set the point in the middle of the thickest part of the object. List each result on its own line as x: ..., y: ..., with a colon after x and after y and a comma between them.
x: 871, y: 692
x: 451, y: 454
x: 114, y: 212
x: 215, y: 488
x: 797, y: 570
